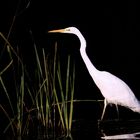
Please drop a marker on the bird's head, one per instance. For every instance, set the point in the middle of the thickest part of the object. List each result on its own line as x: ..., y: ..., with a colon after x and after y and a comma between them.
x: 72, y: 30
x: 69, y: 30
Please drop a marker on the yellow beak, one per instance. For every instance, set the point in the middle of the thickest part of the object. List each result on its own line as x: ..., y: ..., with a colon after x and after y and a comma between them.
x: 56, y: 31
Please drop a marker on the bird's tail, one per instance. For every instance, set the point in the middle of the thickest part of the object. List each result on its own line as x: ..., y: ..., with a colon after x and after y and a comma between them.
x: 136, y: 108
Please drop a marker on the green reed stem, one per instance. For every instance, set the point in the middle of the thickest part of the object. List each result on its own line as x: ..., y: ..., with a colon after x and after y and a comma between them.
x: 71, y: 99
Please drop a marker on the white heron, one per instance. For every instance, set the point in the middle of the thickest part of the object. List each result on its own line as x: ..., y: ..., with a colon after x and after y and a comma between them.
x: 114, y: 90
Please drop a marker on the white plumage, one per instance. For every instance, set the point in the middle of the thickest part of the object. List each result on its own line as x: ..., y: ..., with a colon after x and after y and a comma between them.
x: 114, y: 90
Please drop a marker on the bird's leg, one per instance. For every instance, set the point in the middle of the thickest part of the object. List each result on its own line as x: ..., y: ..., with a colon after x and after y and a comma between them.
x: 105, y: 104
x: 117, y: 110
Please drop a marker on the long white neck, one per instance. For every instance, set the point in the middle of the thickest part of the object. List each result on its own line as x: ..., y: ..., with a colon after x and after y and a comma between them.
x: 91, y: 68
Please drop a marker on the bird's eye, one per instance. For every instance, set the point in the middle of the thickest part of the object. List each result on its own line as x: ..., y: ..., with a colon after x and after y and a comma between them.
x: 68, y: 29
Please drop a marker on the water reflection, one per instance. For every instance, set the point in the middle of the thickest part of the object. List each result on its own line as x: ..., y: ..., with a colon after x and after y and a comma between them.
x: 122, y: 136
x: 120, y: 129
x: 107, y: 130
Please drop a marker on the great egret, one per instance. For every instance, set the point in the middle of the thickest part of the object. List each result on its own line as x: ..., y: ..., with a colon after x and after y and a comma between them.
x: 114, y: 90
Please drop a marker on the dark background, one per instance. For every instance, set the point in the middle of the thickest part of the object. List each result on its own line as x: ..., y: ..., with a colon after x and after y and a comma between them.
x: 111, y: 30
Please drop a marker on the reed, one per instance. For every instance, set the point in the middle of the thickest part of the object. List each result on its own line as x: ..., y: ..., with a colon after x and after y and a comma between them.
x: 43, y: 97
x: 17, y: 78
x: 51, y: 95
x: 67, y: 94
x: 7, y: 95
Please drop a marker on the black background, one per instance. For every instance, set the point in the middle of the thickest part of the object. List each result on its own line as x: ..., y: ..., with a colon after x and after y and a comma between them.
x: 111, y: 30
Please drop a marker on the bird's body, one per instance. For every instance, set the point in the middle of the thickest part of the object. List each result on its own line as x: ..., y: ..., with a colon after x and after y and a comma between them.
x: 123, y: 95
x: 114, y: 90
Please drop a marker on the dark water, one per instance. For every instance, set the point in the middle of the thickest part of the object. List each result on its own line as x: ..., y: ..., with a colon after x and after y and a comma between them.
x: 120, y: 129
x: 96, y: 130
x: 109, y: 129
x: 87, y: 125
